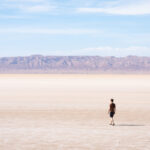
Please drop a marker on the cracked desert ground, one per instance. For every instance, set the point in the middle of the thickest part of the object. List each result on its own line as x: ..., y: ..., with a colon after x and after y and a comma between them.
x: 70, y: 112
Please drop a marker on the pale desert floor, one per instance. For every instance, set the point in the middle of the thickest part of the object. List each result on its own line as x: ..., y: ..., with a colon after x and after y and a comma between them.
x: 69, y: 112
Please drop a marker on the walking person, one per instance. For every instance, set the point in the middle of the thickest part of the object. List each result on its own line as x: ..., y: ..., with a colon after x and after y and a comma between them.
x: 111, y: 111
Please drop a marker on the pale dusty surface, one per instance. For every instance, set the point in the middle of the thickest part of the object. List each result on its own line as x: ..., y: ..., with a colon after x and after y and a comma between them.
x: 69, y: 112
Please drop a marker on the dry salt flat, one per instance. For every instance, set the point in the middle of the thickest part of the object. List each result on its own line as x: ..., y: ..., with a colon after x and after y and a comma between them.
x: 69, y: 112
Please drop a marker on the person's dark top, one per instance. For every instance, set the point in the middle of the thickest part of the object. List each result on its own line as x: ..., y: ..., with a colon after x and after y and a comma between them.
x: 112, y: 107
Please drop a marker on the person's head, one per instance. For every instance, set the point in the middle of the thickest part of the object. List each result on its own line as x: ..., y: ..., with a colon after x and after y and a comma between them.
x: 112, y: 100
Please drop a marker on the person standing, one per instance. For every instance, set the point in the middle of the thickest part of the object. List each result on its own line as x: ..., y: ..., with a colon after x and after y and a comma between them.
x: 111, y: 111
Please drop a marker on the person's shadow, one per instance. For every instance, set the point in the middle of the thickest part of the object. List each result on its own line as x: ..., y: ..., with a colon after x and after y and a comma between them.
x: 131, y: 125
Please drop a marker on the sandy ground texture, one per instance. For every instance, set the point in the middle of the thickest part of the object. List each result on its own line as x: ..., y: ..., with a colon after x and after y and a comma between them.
x: 69, y: 112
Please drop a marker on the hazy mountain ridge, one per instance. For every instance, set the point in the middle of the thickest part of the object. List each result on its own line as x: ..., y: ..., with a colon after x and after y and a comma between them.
x: 75, y: 64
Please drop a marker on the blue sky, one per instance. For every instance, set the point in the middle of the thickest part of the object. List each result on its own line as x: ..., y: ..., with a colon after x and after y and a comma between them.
x: 75, y: 27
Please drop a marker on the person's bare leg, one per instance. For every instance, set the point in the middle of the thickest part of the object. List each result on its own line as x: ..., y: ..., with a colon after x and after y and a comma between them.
x: 110, y: 122
x: 113, y: 122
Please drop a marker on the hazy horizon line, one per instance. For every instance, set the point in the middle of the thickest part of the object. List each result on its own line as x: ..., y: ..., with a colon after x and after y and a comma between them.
x: 72, y: 56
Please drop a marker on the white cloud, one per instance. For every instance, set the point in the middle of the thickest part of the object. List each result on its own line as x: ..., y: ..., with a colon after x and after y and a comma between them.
x: 30, y: 6
x: 36, y: 8
x: 25, y: 1
x: 127, y: 7
x: 48, y: 31
x: 11, y: 17
x: 116, y: 7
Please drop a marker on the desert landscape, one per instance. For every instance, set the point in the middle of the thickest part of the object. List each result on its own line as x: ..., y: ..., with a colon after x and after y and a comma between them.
x: 70, y: 112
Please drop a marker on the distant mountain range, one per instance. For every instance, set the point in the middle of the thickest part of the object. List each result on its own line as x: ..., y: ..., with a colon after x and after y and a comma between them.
x: 74, y: 64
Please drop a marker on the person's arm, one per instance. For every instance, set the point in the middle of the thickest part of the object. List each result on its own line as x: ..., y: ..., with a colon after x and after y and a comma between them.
x: 115, y: 108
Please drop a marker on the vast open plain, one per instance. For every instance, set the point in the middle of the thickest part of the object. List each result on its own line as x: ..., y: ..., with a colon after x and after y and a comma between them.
x: 70, y: 112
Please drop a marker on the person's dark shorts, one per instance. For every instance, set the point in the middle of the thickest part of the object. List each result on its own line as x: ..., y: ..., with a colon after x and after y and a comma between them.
x: 112, y: 114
